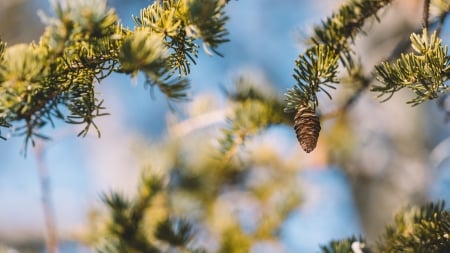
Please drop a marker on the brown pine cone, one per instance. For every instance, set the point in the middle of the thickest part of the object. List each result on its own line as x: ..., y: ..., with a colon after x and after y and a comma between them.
x: 307, y: 127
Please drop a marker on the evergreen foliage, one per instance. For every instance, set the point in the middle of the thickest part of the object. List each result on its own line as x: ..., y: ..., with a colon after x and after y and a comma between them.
x: 127, y: 230
x: 350, y: 245
x: 424, y: 229
x: 425, y: 72
x: 331, y: 41
x: 317, y: 68
x: 202, y: 193
x: 415, y: 230
x: 196, y: 201
x: 57, y: 77
x: 419, y: 230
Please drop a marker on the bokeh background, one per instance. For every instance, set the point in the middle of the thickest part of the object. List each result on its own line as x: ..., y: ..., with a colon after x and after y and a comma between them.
x: 398, y: 154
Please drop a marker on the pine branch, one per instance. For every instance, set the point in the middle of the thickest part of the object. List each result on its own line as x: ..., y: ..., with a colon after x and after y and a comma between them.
x: 424, y: 71
x: 424, y: 229
x: 442, y: 8
x: 352, y: 244
x: 75, y: 50
x: 364, y: 82
x: 128, y: 230
x: 176, y: 232
x: 418, y: 230
x: 316, y: 69
x: 212, y: 30
x: 85, y: 43
x: 3, y: 122
x: 344, y: 25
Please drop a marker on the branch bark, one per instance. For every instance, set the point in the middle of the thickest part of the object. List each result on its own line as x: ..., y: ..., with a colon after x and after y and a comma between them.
x: 51, y: 239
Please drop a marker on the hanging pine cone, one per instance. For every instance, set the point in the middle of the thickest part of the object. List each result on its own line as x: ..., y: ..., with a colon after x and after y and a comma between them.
x: 307, y: 127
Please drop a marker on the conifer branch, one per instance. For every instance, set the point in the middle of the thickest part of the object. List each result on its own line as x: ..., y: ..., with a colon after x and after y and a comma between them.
x: 441, y: 22
x: 443, y: 8
x: 423, y: 71
x: 317, y: 67
x: 3, y: 121
x: 425, y: 14
x: 57, y: 77
x: 127, y: 229
x: 352, y: 244
x: 424, y: 229
x: 344, y: 25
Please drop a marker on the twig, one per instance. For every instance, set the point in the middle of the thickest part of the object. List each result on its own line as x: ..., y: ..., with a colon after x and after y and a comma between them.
x: 425, y: 14
x: 441, y: 23
x: 192, y: 124
x: 51, y: 239
x: 401, y: 47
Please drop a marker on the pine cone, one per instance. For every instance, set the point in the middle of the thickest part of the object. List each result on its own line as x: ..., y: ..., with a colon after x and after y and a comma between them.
x: 307, y: 127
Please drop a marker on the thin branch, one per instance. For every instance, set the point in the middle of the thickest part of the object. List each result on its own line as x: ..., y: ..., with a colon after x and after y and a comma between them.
x: 51, y: 239
x: 187, y: 126
x: 401, y: 47
x: 351, y: 101
x: 425, y: 14
x: 441, y: 23
x: 239, y: 140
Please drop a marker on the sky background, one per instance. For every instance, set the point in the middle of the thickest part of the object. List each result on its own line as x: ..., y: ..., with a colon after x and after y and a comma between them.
x: 263, y: 39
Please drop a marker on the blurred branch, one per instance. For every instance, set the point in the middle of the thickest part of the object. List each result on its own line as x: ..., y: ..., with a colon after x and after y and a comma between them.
x: 441, y: 22
x: 133, y: 230
x: 439, y: 154
x: 254, y: 109
x: 426, y: 13
x: 192, y: 124
x: 51, y: 238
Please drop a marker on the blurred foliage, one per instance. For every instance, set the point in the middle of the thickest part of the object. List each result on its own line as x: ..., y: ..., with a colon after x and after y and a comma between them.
x: 255, y: 108
x: 208, y: 198
x: 215, y: 218
x: 219, y: 195
x: 127, y: 230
